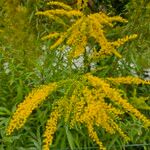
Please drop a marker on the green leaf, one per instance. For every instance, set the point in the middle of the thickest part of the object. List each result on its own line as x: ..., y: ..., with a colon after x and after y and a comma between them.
x: 140, y: 102
x: 70, y: 138
x: 4, y: 111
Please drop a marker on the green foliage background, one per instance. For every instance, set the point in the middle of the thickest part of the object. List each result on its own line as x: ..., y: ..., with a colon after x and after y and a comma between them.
x: 26, y: 62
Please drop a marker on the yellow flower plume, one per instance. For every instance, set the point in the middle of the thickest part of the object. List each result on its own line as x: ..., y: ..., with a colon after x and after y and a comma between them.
x: 51, y: 128
x: 81, y: 28
x: 60, y: 4
x: 127, y: 80
x: 115, y: 96
x: 31, y: 102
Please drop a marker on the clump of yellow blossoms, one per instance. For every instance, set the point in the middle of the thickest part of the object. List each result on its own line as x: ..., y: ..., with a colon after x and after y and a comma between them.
x: 89, y: 100
x: 86, y: 104
x: 31, y: 102
x: 51, y: 128
x: 82, y: 28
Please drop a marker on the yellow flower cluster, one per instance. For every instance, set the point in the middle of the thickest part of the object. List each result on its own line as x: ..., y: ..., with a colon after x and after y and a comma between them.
x: 84, y: 27
x: 51, y: 36
x: 94, y: 136
x: 82, y: 3
x: 96, y: 31
x: 86, y: 104
x: 61, y: 12
x: 115, y: 96
x: 118, y: 18
x: 58, y: 41
x: 120, y: 42
x: 87, y: 107
x: 77, y: 111
x: 72, y: 107
x: 77, y: 38
x: 127, y: 80
x: 51, y: 128
x: 30, y: 103
x: 60, y: 4
x: 79, y: 48
x: 99, y: 113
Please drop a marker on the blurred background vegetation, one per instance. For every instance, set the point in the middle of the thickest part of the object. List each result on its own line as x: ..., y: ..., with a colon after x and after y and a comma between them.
x: 26, y: 62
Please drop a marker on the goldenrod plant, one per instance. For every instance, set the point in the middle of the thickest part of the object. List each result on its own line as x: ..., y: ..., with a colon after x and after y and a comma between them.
x: 86, y: 98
